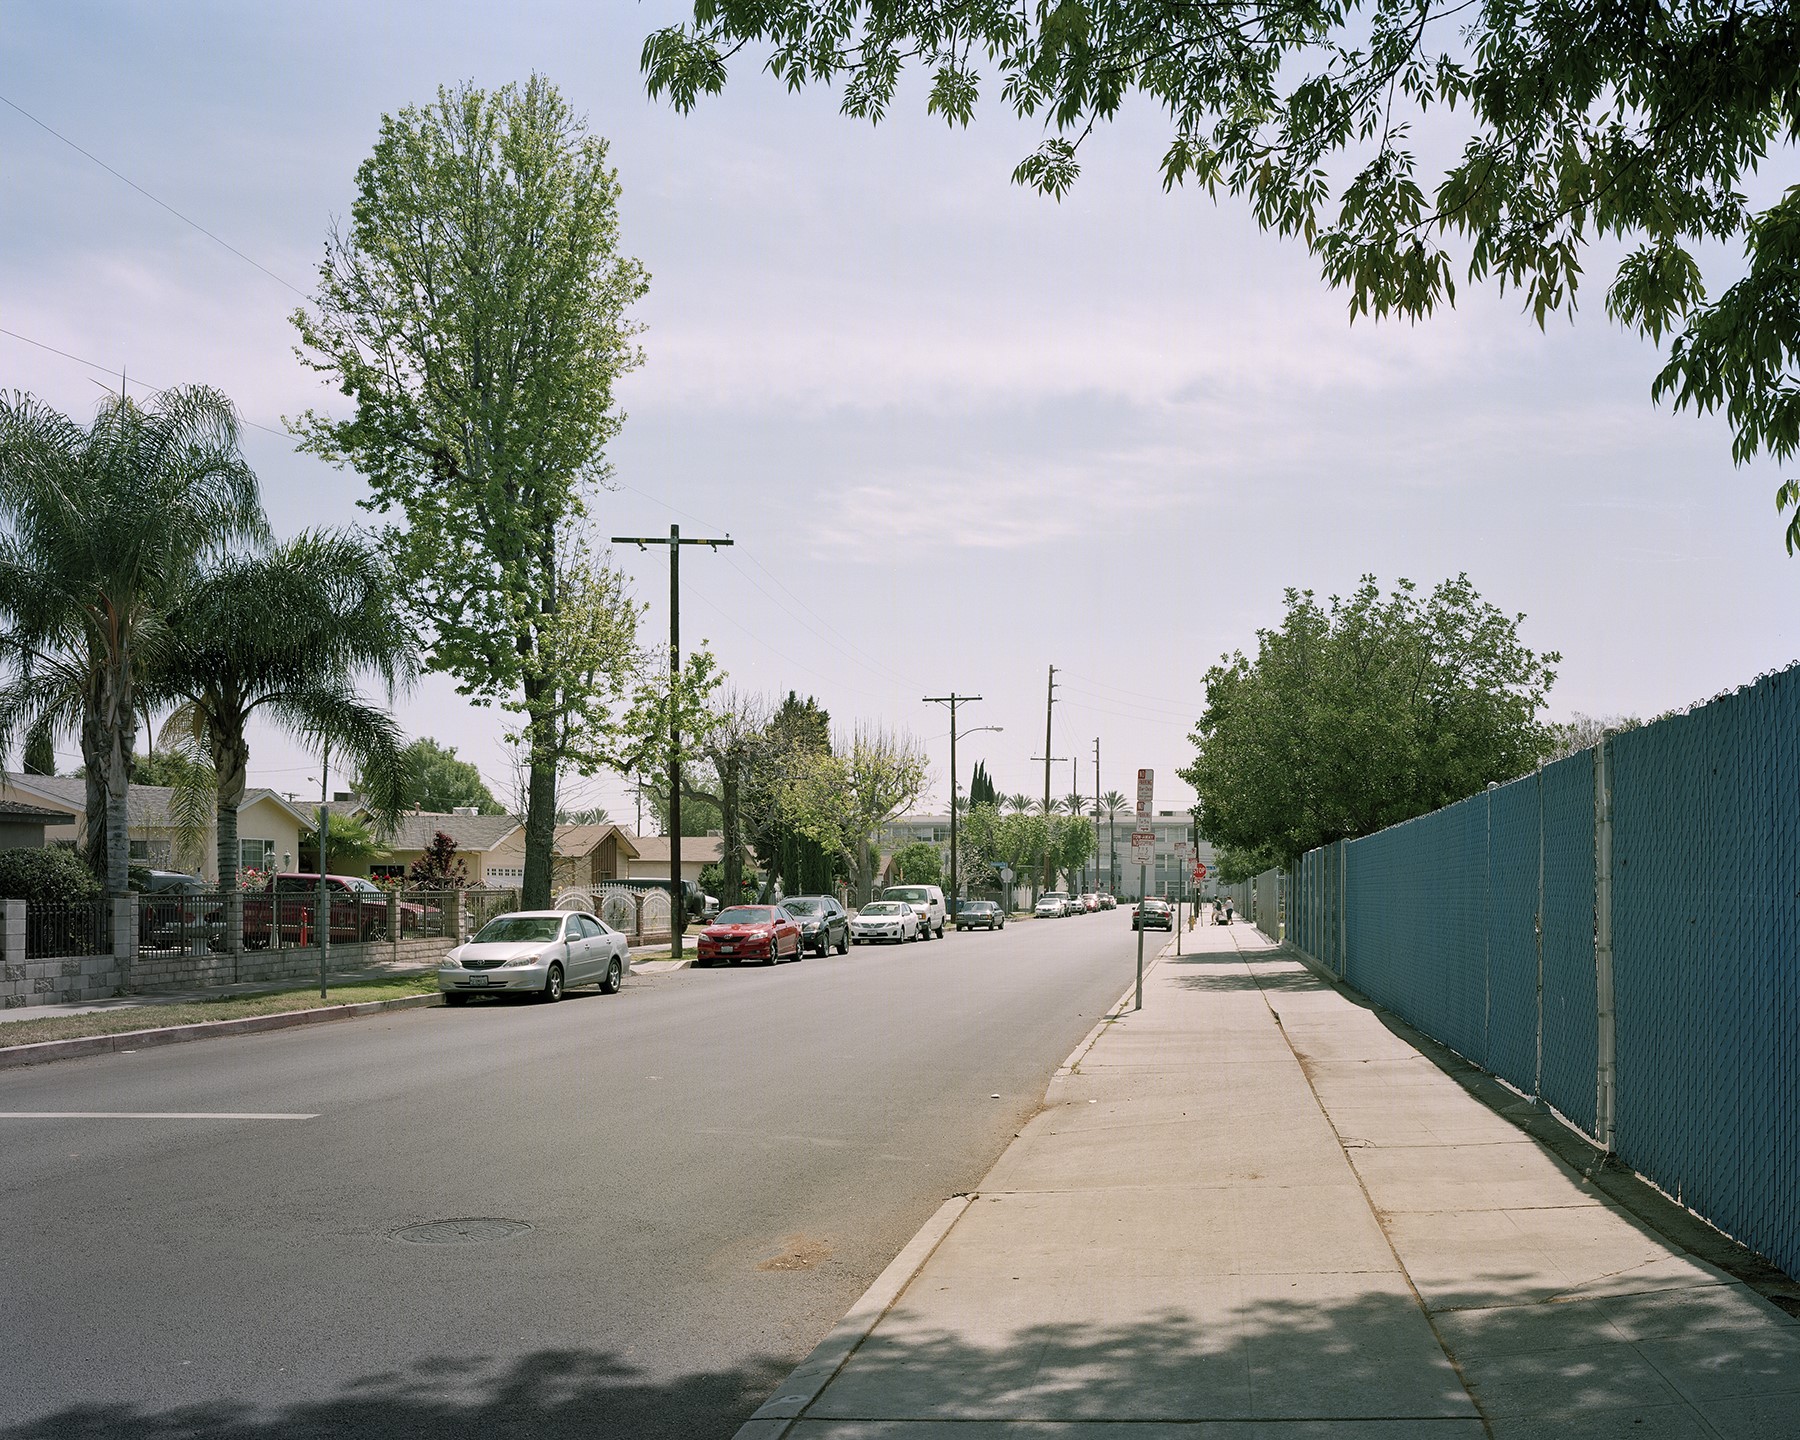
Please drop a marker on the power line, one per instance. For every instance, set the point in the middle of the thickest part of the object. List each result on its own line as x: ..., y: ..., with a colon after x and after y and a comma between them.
x: 147, y: 387
x: 152, y: 198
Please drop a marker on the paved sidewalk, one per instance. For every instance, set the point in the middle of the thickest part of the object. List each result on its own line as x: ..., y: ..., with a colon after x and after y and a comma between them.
x: 1254, y: 1210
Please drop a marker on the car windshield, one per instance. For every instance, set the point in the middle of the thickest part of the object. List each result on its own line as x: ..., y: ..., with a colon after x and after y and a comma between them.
x: 365, y: 887
x: 519, y: 929
x: 913, y: 895
x: 978, y: 905
x: 804, y: 907
x: 882, y: 907
x: 743, y: 915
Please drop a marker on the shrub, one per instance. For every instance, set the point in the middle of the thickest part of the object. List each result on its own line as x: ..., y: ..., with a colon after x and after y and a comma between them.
x: 46, y: 876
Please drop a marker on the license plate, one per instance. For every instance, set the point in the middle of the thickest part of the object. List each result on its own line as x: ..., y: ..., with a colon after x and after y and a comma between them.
x: 478, y: 980
x: 728, y: 949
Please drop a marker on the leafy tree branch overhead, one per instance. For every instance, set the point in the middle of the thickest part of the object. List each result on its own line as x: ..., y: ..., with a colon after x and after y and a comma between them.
x: 1631, y: 123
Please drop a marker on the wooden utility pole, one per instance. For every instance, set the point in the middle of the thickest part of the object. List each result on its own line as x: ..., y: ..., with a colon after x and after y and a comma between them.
x: 677, y: 900
x: 952, y: 700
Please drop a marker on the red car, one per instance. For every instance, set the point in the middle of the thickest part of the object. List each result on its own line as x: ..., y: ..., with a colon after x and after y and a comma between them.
x: 750, y: 932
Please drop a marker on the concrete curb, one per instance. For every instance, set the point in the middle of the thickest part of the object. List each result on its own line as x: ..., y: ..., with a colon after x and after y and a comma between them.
x: 1071, y: 1065
x: 14, y: 1057
x: 814, y: 1373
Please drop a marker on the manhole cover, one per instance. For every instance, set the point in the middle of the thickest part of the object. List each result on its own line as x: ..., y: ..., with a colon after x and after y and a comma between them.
x: 479, y: 1231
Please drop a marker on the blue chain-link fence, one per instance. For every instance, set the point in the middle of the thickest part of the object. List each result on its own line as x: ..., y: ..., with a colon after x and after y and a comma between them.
x: 1617, y: 934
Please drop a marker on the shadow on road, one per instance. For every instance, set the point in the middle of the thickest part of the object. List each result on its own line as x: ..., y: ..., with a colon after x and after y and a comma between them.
x: 552, y: 1393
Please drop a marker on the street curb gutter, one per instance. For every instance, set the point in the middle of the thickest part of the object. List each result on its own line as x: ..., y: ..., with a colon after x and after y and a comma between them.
x: 830, y: 1355
x: 814, y: 1373
x: 14, y: 1057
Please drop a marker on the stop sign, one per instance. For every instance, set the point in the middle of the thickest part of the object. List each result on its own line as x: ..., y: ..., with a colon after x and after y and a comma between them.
x: 1200, y: 872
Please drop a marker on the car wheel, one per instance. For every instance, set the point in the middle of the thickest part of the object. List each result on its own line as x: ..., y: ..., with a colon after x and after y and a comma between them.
x: 452, y: 997
x: 553, y: 985
x: 940, y: 929
x: 774, y: 955
x: 615, y: 977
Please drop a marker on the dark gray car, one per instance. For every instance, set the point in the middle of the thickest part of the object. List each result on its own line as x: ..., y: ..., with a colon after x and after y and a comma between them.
x: 984, y: 914
x: 824, y: 924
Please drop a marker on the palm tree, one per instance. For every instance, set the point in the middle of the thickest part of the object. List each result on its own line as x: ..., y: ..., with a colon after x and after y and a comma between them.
x: 1020, y: 804
x: 101, y: 527
x: 1112, y: 803
x: 289, y: 632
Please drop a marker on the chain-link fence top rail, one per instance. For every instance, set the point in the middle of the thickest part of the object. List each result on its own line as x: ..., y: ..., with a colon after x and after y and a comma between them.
x: 1477, y: 924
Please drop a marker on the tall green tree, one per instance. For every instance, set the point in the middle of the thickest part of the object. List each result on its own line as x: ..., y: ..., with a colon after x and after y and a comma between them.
x: 981, y: 786
x: 437, y: 780
x: 919, y: 864
x: 475, y: 313
x: 289, y: 634
x: 792, y: 846
x: 99, y: 530
x: 1630, y: 128
x: 1363, y: 712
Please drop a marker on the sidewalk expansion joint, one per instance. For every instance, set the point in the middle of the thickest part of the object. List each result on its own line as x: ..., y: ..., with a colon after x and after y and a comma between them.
x: 1375, y: 1212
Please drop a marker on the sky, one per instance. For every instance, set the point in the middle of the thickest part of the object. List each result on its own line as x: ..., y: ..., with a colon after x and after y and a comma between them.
x: 958, y: 432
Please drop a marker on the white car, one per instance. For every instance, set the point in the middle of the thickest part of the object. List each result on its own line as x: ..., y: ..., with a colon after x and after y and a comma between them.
x: 1065, y: 903
x: 1049, y: 907
x: 928, y: 900
x: 536, y: 952
x: 893, y: 920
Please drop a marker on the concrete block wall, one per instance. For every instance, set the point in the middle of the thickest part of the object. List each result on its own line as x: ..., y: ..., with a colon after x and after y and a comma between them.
x: 199, y: 972
x: 70, y: 979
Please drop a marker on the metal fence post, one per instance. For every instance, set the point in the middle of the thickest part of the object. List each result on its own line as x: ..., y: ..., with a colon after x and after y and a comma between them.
x: 393, y: 922
x: 1606, y: 1037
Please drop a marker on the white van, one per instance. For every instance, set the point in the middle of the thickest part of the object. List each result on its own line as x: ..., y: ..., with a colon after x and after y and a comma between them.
x: 927, y: 899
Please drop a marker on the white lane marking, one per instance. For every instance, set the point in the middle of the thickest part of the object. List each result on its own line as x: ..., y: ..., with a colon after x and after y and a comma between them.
x: 148, y: 1115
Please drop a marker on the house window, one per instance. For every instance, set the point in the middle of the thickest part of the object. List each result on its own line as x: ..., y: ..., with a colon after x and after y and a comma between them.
x: 256, y: 854
x: 387, y: 872
x: 140, y: 849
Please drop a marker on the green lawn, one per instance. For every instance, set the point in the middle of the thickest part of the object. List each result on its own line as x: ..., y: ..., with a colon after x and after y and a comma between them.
x: 226, y: 1007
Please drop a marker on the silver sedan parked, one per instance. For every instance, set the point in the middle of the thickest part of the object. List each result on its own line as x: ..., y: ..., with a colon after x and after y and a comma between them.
x: 536, y: 952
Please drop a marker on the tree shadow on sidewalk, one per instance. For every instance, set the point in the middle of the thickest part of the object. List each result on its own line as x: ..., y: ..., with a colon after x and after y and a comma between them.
x: 552, y: 1393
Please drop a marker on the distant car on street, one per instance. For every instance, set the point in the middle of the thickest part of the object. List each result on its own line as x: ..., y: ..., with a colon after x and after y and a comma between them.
x: 980, y: 915
x: 823, y: 923
x: 1065, y: 903
x: 536, y: 952
x: 886, y: 920
x: 1109, y: 902
x: 750, y: 932
x: 1090, y: 902
x: 1049, y: 907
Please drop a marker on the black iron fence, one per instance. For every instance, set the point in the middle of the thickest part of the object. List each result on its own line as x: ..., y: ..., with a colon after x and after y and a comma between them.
x: 74, y: 927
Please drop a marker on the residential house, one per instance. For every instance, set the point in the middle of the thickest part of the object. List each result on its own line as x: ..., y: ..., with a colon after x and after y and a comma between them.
x: 491, y: 847
x: 590, y: 855
x: 268, y: 826
x: 651, y: 862
x: 22, y: 826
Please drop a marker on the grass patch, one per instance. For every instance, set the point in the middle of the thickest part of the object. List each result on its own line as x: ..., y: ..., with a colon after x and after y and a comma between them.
x: 195, y: 1012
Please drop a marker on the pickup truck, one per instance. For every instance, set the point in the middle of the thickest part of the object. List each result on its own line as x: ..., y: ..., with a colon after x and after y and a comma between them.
x: 288, y: 907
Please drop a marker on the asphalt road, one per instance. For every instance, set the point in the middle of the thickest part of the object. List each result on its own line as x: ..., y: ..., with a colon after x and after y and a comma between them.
x: 713, y: 1166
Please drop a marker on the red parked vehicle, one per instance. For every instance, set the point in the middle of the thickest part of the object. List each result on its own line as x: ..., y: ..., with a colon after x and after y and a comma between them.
x: 750, y: 932
x: 289, y: 906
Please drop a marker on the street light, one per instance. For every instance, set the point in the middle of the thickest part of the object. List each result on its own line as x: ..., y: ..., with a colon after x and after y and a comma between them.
x: 953, y: 700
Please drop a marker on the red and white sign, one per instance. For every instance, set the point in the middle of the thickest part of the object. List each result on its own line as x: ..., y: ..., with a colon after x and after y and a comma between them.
x: 1199, y: 872
x: 1146, y: 784
x: 1143, y: 847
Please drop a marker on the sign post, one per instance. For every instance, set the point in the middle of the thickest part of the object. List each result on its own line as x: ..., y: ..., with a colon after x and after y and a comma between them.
x: 1143, y: 850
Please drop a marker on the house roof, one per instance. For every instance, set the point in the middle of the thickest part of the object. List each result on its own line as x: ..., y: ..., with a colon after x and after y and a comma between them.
x: 417, y: 828
x: 654, y: 849
x: 147, y: 807
x: 575, y: 841
x: 15, y: 810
